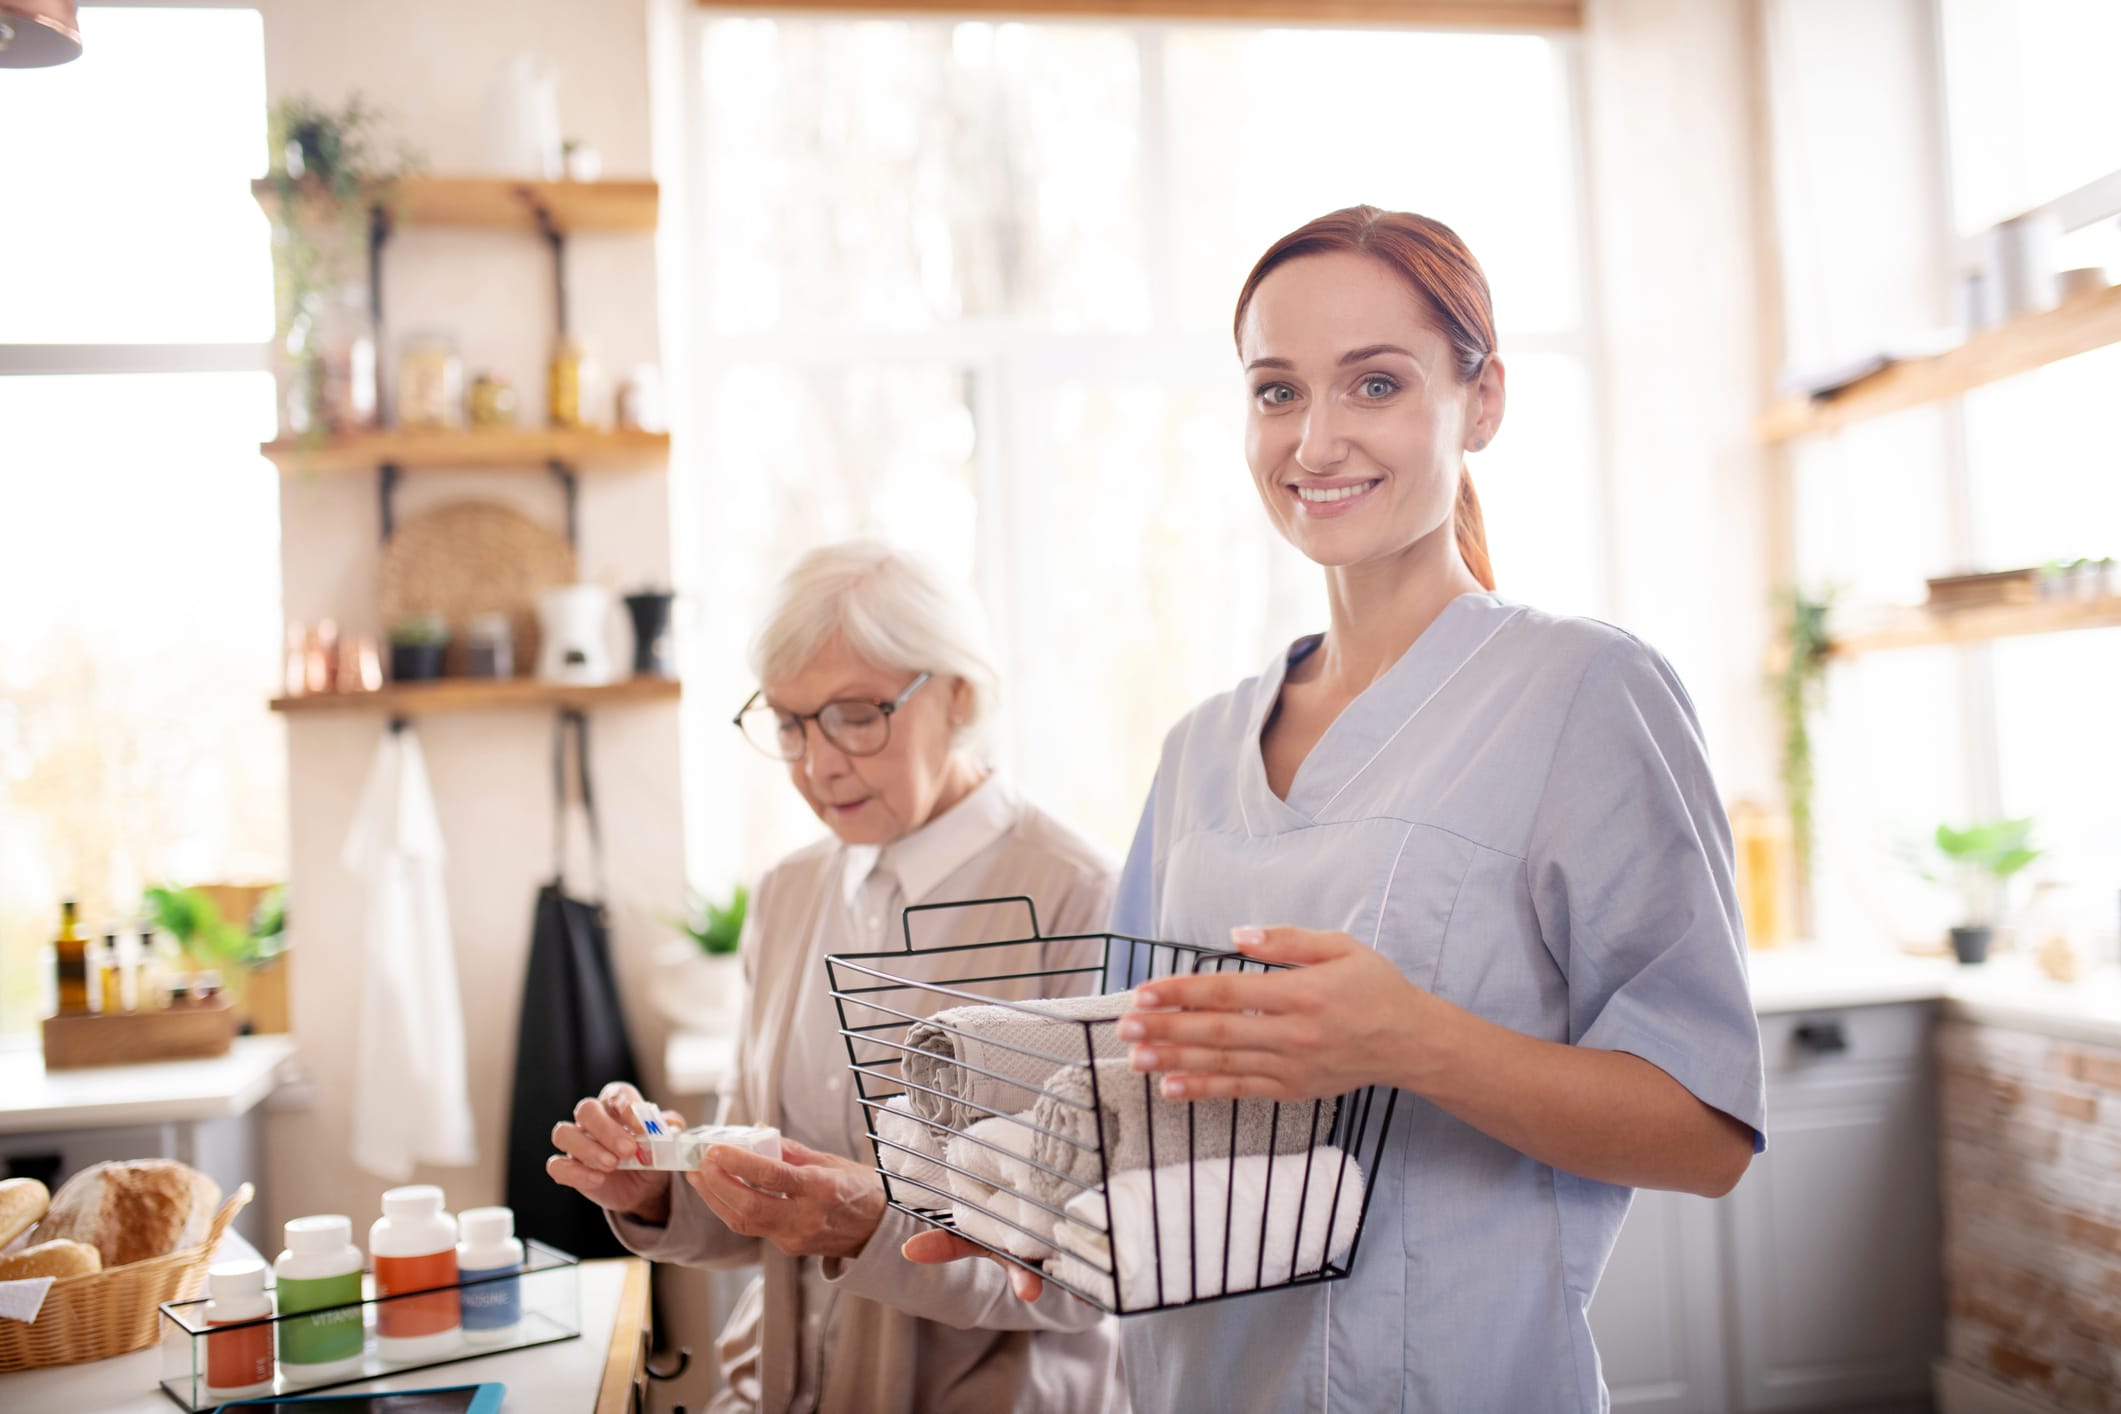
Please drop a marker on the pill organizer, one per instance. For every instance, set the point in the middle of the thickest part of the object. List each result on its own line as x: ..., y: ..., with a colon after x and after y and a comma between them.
x: 683, y: 1150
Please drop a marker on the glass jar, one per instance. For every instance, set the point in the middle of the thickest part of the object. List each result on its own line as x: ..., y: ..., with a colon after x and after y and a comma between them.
x: 489, y: 647
x: 430, y: 382
x: 493, y: 401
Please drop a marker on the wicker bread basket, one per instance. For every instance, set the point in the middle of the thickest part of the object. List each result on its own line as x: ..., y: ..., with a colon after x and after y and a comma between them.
x: 112, y: 1312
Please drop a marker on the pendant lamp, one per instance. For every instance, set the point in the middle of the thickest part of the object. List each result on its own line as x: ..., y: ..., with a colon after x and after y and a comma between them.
x: 35, y: 34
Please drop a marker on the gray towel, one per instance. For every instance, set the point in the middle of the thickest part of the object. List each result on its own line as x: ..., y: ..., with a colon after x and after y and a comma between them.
x: 1184, y: 1130
x: 949, y: 1051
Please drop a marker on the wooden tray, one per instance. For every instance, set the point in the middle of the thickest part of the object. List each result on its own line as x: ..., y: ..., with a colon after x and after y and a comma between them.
x: 130, y: 1038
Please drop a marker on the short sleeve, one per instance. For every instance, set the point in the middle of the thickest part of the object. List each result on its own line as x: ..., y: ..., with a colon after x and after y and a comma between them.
x: 1630, y: 868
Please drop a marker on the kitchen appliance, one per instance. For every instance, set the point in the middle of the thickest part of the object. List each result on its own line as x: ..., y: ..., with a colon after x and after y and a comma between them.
x: 571, y: 646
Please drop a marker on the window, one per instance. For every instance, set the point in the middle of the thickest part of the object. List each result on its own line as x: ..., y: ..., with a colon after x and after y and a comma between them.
x: 968, y: 286
x: 2015, y: 474
x: 139, y: 529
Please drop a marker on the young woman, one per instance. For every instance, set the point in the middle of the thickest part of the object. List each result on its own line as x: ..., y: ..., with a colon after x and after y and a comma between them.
x: 1489, y: 838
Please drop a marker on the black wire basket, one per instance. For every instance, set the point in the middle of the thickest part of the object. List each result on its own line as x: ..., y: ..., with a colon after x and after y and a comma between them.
x: 1000, y: 1106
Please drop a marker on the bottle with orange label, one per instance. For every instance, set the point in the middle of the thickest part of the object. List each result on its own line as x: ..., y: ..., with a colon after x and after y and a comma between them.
x: 414, y: 1247
x: 239, y: 1362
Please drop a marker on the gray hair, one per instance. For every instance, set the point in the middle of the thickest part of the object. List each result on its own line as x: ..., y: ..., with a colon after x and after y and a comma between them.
x: 893, y: 610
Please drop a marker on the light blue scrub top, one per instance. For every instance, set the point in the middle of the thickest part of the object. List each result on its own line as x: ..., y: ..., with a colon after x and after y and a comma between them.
x: 1520, y: 815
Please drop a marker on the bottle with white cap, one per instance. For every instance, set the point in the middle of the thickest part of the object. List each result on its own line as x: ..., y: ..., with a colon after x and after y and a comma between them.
x: 488, y: 1260
x: 414, y: 1245
x: 238, y: 1362
x: 319, y: 1271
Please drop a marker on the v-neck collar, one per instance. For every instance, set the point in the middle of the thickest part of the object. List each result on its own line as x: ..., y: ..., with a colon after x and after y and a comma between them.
x: 1368, y: 723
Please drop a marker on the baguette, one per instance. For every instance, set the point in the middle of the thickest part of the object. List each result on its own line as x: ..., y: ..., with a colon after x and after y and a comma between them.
x: 52, y: 1259
x: 23, y: 1202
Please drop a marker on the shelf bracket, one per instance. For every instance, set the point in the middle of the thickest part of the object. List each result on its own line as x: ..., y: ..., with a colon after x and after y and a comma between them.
x: 386, y: 492
x: 558, y: 242
x: 378, y: 237
x: 398, y: 724
x: 571, y: 488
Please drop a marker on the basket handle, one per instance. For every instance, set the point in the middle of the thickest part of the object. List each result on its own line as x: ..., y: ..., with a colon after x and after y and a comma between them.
x: 233, y: 1204
x: 1030, y: 908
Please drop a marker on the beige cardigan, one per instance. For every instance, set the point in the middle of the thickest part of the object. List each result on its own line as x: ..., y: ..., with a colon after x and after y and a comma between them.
x: 907, y: 1339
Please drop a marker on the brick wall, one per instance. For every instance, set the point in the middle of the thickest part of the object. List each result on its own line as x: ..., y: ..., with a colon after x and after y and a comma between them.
x: 2031, y: 1152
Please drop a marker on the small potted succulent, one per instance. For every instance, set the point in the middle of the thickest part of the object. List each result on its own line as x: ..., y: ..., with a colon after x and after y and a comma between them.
x: 703, y: 984
x: 417, y: 645
x: 1980, y: 861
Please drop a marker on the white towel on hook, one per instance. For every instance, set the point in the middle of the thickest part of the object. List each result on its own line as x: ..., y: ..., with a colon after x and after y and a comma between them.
x: 412, y: 1102
x: 1193, y: 1212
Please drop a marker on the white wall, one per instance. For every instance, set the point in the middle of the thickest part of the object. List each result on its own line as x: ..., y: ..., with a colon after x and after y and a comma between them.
x: 431, y: 66
x: 1672, y: 156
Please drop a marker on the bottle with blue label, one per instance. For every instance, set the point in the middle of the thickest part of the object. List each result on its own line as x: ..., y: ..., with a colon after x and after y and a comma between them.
x: 489, y: 1260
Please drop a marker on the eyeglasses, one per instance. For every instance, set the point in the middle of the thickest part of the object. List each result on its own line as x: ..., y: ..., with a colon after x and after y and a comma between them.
x: 856, y: 727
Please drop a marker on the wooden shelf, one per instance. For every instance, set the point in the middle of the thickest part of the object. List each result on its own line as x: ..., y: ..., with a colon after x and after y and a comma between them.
x: 507, y: 204
x: 1925, y: 629
x: 490, y: 449
x: 419, y: 699
x: 2077, y: 326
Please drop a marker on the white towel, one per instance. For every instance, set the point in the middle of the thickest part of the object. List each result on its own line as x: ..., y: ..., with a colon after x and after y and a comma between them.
x: 928, y: 1182
x: 411, y: 1102
x: 21, y: 1299
x: 1135, y: 1113
x: 1020, y: 1043
x: 986, y: 1181
x: 1190, y: 1224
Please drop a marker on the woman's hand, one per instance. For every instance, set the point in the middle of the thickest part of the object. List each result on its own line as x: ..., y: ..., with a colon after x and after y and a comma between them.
x: 604, y: 1131
x: 810, y: 1204
x: 935, y: 1247
x: 1341, y: 1020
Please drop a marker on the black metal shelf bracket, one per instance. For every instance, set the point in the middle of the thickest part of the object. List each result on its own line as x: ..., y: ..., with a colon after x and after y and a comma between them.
x: 387, y: 476
x: 571, y: 489
x: 558, y: 242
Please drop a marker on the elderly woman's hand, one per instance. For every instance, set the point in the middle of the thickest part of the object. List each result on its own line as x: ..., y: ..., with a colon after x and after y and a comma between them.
x: 1343, y: 1018
x: 809, y: 1204
x: 935, y: 1247
x: 604, y: 1131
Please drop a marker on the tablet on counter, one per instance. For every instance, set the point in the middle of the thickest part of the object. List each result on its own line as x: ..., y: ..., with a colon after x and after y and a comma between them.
x: 454, y: 1399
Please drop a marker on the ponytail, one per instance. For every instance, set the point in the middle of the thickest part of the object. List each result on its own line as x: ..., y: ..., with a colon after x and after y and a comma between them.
x: 1472, y: 531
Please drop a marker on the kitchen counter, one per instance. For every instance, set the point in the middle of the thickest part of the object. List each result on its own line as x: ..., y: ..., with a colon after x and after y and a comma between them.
x: 36, y: 1100
x: 2008, y: 990
x: 593, y: 1373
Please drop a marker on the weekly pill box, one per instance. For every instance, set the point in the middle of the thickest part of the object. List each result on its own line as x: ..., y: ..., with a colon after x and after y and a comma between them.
x: 683, y: 1151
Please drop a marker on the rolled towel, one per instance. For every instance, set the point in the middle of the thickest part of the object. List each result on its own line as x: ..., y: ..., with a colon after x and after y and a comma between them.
x: 920, y: 1147
x: 986, y: 1181
x: 1131, y: 1110
x: 991, y: 1059
x: 1193, y: 1210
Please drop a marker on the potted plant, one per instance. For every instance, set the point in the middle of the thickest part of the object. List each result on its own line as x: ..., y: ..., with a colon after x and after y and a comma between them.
x: 1980, y: 860
x: 1797, y: 675
x: 702, y: 986
x: 417, y: 644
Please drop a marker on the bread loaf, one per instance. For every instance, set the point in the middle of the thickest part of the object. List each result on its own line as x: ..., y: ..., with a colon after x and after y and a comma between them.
x: 133, y: 1210
x: 51, y: 1259
x: 22, y: 1202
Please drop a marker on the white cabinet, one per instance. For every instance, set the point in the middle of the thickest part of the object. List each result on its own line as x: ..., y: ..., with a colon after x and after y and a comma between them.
x: 1658, y: 1314
x: 1814, y: 1285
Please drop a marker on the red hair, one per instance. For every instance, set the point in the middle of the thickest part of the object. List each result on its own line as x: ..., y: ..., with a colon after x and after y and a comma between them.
x: 1438, y: 268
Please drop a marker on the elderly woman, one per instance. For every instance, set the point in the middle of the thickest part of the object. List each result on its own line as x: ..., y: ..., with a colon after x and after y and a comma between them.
x: 873, y: 686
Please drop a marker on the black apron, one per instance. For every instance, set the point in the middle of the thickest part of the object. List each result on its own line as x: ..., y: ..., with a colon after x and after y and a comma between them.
x: 571, y: 1039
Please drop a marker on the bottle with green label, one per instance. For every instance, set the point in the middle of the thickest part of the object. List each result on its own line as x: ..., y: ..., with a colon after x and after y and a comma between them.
x: 320, y: 1271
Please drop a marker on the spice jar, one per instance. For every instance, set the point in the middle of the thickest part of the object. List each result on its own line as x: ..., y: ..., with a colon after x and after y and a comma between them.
x: 489, y: 647
x: 430, y: 382
x: 493, y: 401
